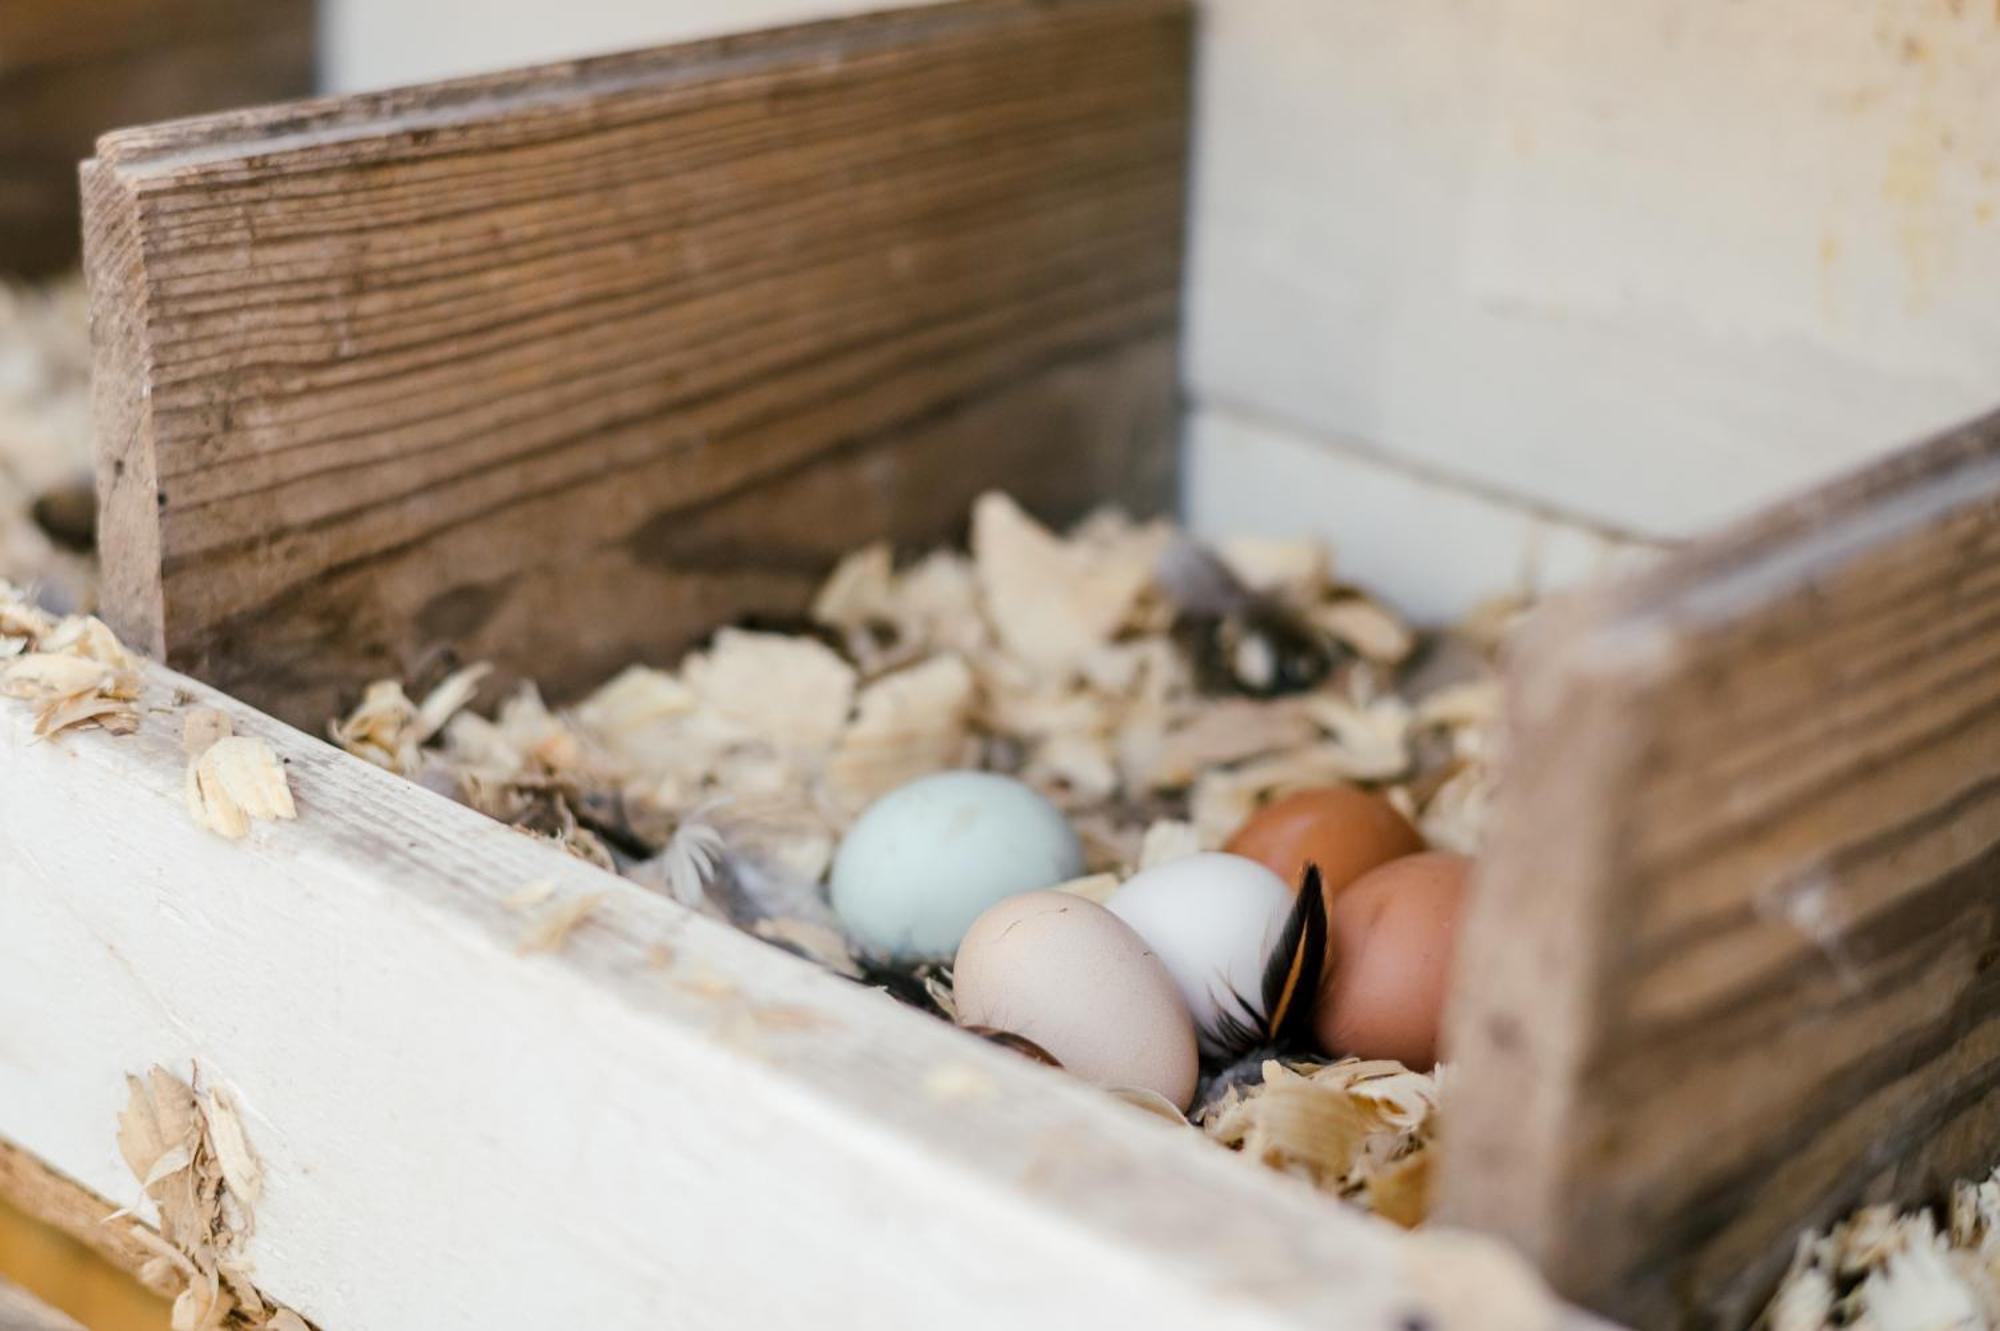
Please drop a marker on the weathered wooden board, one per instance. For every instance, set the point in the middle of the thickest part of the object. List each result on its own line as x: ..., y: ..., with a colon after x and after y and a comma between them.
x: 1735, y: 960
x: 564, y: 368
x: 665, y: 1121
x: 71, y: 69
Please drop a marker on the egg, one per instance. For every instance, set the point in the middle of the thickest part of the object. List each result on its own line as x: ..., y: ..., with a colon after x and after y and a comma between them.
x: 923, y: 861
x: 1067, y: 975
x: 1391, y: 937
x: 1213, y: 920
x: 1343, y: 829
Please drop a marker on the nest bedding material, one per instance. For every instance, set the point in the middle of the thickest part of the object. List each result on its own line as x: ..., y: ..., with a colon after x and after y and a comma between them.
x: 1092, y: 666
x: 923, y: 667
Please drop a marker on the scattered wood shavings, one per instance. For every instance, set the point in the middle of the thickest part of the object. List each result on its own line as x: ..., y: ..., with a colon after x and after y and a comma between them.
x: 1885, y: 1271
x: 552, y: 927
x: 192, y: 1156
x: 1096, y: 887
x: 727, y: 779
x: 1359, y: 1129
x: 236, y: 779
x: 73, y: 670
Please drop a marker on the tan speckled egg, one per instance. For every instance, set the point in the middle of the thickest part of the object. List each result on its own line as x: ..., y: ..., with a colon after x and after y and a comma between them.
x: 1390, y: 946
x: 1069, y: 975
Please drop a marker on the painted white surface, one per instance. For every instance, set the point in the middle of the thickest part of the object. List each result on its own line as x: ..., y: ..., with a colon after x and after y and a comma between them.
x: 719, y: 1135
x: 1654, y: 262
x: 1648, y: 264
x: 1430, y: 548
x: 381, y: 43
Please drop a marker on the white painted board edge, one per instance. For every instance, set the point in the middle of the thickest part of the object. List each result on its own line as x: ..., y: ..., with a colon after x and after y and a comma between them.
x: 665, y: 1124
x: 1431, y: 546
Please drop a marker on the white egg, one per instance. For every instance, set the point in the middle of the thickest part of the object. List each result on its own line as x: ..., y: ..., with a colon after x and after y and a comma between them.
x: 922, y: 862
x: 1212, y: 920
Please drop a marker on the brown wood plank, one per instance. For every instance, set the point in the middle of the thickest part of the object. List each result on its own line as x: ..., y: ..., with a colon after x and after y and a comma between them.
x: 60, y: 1202
x: 71, y: 69
x: 1734, y: 964
x: 564, y: 367
x: 22, y: 1311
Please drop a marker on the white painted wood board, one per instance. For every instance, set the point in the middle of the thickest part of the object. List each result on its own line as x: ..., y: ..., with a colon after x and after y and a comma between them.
x: 1430, y: 545
x: 382, y: 43
x: 458, y: 1136
x: 1650, y: 264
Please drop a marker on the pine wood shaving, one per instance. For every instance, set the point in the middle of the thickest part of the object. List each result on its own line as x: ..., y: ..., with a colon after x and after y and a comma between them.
x: 1372, y: 630
x: 552, y: 927
x: 73, y: 670
x: 235, y: 780
x: 791, y: 693
x: 1890, y: 1271
x: 1354, y: 1128
x: 1096, y: 887
x: 192, y: 1156
x: 1167, y: 840
x: 1291, y: 567
x: 1051, y: 603
x: 905, y: 724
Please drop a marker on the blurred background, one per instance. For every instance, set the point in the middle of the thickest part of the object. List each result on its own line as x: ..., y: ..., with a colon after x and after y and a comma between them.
x: 1530, y: 285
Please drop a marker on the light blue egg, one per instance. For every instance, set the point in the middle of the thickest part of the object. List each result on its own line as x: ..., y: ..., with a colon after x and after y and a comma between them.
x: 925, y: 860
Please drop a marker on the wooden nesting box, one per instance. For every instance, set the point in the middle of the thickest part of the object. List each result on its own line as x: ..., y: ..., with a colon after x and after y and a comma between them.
x: 563, y: 367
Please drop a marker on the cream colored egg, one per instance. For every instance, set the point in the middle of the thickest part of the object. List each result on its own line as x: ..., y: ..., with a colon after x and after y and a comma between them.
x: 1069, y: 975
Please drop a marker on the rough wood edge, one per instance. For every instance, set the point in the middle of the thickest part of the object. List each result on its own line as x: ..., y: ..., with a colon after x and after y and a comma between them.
x: 130, y: 590
x: 36, y: 1189
x: 271, y: 129
x: 1531, y: 1001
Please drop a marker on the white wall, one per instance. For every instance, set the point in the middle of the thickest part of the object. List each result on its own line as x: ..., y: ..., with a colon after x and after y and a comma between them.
x: 1600, y: 274
x: 381, y: 43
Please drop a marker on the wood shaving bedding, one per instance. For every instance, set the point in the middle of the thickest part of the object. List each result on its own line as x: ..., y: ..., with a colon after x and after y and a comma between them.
x: 72, y: 669
x: 727, y: 780
x: 189, y: 1151
x: 1884, y: 1271
x: 231, y: 779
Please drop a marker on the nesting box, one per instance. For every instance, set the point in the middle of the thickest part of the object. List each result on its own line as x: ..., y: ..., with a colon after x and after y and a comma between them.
x: 566, y: 366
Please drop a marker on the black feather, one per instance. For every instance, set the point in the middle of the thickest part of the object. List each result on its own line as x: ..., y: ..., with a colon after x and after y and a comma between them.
x: 1296, y: 967
x: 1293, y: 973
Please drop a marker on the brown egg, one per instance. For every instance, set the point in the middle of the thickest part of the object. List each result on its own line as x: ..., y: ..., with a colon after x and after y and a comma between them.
x: 1343, y: 829
x: 1391, y: 939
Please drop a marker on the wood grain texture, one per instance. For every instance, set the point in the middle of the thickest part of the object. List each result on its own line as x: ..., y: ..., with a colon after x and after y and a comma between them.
x: 71, y: 69
x: 1735, y: 962
x: 563, y: 367
x: 55, y: 1199
x: 664, y: 1119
